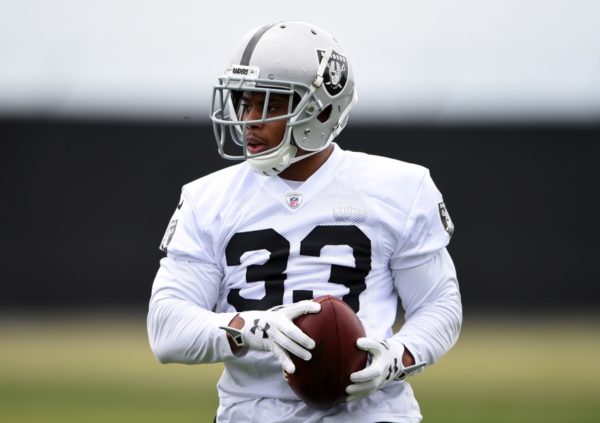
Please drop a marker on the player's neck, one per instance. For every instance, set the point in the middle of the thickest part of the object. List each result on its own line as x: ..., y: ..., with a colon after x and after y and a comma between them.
x: 303, y: 169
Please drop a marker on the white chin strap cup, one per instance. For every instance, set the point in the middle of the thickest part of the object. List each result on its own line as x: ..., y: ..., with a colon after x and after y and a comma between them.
x: 269, y: 166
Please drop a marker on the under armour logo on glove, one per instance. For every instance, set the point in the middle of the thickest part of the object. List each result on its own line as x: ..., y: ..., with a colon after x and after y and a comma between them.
x: 263, y: 329
x: 385, y: 367
x: 393, y: 369
x: 279, y: 333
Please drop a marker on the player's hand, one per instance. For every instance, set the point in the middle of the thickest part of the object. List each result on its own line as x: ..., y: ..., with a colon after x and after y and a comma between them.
x: 386, y: 366
x: 273, y: 330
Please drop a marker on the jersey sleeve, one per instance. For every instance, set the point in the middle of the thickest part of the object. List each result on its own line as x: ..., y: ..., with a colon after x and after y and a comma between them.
x: 427, y: 230
x: 433, y: 308
x: 182, y: 324
x: 184, y: 238
x: 182, y: 328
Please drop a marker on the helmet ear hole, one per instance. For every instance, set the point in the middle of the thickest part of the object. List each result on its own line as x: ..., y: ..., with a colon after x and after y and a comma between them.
x: 325, y: 114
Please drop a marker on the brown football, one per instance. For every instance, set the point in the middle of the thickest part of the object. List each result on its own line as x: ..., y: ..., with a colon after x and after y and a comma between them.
x: 321, y: 382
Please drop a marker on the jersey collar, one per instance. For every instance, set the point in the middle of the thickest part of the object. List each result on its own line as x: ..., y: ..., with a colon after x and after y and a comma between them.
x: 281, y: 191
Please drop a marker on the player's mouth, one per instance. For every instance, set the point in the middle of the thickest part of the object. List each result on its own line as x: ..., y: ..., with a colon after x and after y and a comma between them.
x: 256, y: 145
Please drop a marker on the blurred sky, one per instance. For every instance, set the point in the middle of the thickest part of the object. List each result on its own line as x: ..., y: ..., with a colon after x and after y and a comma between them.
x: 429, y: 60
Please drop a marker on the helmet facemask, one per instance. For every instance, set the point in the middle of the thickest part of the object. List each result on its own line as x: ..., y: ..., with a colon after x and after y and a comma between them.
x: 230, y: 128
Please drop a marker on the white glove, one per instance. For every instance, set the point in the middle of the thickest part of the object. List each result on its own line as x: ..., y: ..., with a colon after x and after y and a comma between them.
x: 386, y: 365
x: 273, y: 330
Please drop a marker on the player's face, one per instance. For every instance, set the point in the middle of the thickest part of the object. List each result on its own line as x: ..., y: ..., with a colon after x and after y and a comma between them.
x: 263, y: 136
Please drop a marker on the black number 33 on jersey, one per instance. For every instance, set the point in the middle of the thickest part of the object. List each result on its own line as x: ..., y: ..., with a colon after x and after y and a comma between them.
x: 272, y: 272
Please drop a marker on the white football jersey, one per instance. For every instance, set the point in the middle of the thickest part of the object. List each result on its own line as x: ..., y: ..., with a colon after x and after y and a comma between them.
x: 263, y: 241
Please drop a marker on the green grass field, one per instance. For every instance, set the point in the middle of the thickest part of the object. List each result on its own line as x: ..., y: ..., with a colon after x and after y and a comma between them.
x: 91, y: 369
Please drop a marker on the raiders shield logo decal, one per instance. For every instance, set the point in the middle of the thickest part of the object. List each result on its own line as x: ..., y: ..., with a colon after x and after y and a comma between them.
x: 336, y: 72
x: 445, y: 217
x: 164, y: 245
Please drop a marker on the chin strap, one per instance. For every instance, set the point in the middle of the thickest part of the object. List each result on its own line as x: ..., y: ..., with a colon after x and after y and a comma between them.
x: 304, y: 156
x: 277, y: 170
x: 343, y: 117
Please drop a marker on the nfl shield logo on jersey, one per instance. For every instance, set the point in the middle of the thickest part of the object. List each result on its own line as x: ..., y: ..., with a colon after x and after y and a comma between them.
x: 293, y: 199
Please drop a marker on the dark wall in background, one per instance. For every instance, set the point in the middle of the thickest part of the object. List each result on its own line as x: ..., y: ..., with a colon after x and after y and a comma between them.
x: 84, y: 206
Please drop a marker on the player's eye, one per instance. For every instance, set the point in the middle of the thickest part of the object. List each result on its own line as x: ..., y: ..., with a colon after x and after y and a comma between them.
x: 244, y: 107
x: 276, y: 108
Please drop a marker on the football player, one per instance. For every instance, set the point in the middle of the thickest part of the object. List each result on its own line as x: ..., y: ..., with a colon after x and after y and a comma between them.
x: 300, y: 217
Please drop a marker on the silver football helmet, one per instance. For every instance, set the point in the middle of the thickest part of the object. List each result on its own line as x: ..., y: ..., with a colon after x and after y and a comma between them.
x: 296, y: 59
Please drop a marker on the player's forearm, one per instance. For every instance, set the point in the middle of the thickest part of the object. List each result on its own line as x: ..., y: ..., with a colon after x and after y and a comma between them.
x: 433, y: 329
x: 431, y: 299
x: 181, y: 326
x: 181, y: 332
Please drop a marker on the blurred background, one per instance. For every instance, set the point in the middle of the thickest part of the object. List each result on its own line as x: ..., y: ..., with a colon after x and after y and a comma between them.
x: 104, y: 115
